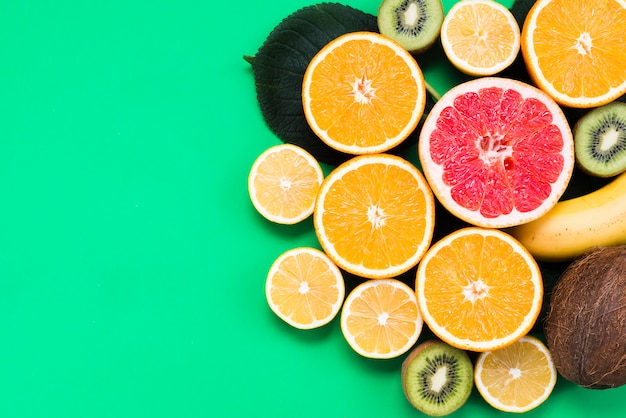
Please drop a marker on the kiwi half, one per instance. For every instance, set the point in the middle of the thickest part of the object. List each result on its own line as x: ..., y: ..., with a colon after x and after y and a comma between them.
x: 414, y: 24
x: 600, y: 140
x: 437, y: 379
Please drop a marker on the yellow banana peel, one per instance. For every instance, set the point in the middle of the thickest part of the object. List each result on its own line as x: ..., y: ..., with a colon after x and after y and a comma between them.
x: 576, y: 225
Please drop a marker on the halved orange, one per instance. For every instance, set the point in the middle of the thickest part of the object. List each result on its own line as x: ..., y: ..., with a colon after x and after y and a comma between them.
x: 375, y: 215
x: 480, y: 37
x: 305, y: 288
x: 283, y: 183
x: 516, y: 378
x: 363, y: 93
x: 380, y: 318
x: 574, y: 50
x: 479, y: 289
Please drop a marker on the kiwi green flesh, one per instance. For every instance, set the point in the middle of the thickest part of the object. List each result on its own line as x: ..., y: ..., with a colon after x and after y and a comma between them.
x: 437, y: 378
x: 414, y: 24
x: 600, y: 140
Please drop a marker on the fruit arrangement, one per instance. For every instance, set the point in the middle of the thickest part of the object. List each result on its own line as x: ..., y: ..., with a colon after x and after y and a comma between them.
x: 463, y: 240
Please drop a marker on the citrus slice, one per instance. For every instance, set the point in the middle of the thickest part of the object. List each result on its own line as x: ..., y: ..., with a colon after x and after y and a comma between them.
x: 380, y: 318
x: 517, y: 378
x: 479, y: 289
x: 283, y: 183
x: 363, y: 93
x: 375, y: 215
x: 305, y: 288
x: 480, y: 37
x: 574, y: 50
x: 497, y: 152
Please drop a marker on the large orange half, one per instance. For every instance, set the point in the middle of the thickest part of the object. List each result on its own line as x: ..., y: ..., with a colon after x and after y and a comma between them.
x: 363, y: 93
x: 575, y: 50
x: 374, y: 215
x: 479, y: 289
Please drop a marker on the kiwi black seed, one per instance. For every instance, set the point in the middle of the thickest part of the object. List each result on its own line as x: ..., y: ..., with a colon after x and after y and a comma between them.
x: 600, y: 140
x: 414, y: 24
x: 437, y: 379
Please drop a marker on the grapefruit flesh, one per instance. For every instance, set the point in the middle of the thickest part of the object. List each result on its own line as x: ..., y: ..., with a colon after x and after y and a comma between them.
x: 497, y: 152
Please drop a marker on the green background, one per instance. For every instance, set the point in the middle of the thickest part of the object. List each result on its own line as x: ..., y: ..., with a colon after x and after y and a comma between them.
x: 132, y: 263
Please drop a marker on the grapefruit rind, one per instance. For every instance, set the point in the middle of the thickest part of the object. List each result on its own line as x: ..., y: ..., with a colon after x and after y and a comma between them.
x: 434, y: 172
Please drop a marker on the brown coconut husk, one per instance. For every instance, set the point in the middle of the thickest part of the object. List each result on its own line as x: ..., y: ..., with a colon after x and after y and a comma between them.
x: 585, y: 327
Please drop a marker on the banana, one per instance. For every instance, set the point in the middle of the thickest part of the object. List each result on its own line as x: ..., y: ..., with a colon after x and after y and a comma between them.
x: 573, y: 226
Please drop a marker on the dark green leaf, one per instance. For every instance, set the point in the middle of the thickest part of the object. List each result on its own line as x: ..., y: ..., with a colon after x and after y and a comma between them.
x: 520, y: 9
x: 517, y: 70
x: 582, y: 183
x: 281, y: 61
x: 550, y: 275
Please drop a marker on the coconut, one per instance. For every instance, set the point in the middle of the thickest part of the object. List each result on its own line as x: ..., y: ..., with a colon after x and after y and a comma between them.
x: 585, y: 327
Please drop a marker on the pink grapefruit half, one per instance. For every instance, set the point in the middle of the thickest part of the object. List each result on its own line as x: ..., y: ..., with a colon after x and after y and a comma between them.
x: 497, y: 152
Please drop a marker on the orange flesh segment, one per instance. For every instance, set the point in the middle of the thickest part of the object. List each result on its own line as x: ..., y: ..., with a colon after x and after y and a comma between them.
x: 467, y: 28
x: 580, y: 46
x: 305, y: 288
x: 517, y: 378
x: 359, y: 198
x: 321, y: 283
x: 383, y: 319
x: 477, y: 295
x: 366, y: 103
x: 517, y: 392
x: 286, y: 184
